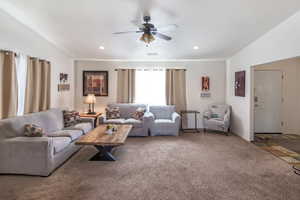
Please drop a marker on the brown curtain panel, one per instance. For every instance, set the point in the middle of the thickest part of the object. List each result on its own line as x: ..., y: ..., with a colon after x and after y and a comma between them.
x: 46, y: 82
x: 126, y: 86
x: 37, y: 96
x: 9, y: 85
x: 176, y: 88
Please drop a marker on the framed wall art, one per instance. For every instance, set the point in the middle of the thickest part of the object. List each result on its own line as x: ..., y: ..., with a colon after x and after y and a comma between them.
x: 205, y: 83
x: 63, y: 77
x: 63, y: 82
x: 239, y: 84
x: 205, y: 86
x: 95, y: 82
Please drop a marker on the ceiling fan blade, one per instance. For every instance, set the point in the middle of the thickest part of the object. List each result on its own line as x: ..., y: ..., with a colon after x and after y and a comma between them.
x: 124, y: 32
x: 162, y: 36
x: 167, y: 27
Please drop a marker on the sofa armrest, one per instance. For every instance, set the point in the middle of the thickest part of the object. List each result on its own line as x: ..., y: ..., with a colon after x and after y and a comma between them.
x: 102, y: 119
x: 44, y: 144
x: 227, y: 121
x: 148, y: 119
x: 207, y: 114
x: 27, y: 155
x: 148, y: 116
x: 176, y: 117
x: 227, y: 116
x: 88, y: 120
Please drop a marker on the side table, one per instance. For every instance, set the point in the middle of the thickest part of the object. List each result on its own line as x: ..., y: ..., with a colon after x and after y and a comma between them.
x: 186, y: 112
x: 95, y: 116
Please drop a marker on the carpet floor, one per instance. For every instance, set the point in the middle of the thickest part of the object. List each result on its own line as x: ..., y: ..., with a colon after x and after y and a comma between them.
x: 192, y: 166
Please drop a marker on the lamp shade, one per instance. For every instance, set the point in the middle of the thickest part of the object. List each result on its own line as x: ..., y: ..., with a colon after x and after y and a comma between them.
x: 90, y: 99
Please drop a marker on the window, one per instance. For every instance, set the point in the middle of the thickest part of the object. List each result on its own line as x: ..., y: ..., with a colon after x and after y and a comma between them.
x: 21, y: 68
x: 150, y: 87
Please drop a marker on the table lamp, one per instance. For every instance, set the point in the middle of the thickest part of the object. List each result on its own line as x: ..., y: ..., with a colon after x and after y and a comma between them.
x: 91, y: 100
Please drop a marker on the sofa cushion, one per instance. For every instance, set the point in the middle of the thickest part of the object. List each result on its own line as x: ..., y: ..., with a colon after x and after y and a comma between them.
x: 134, y: 122
x: 114, y: 121
x: 73, y: 134
x: 163, y: 121
x: 85, y: 127
x: 216, y: 121
x: 164, y: 127
x: 60, y: 143
x: 126, y: 110
x: 162, y: 112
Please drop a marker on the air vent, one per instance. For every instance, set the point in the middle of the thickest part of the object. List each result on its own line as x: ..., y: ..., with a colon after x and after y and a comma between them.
x: 152, y: 54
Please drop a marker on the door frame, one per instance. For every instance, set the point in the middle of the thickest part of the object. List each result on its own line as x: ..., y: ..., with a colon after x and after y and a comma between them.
x: 252, y: 95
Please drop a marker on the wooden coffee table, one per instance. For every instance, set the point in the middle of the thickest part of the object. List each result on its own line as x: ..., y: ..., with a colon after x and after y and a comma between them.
x: 104, y: 142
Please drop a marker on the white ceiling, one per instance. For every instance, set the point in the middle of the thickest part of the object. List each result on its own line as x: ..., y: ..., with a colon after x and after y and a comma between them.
x: 219, y: 27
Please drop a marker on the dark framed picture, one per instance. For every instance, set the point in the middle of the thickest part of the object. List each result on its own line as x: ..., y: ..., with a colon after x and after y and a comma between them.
x: 95, y: 82
x: 239, y: 84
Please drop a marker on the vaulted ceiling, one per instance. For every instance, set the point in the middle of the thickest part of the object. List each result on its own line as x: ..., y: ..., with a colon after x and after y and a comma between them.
x: 218, y: 28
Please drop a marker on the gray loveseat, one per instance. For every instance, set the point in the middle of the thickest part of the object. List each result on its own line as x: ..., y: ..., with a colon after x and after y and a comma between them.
x: 38, y: 155
x: 165, y: 121
x: 140, y: 127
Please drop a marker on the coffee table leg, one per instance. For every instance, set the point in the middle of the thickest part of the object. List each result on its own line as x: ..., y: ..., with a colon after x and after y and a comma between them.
x: 296, y: 170
x: 104, y: 154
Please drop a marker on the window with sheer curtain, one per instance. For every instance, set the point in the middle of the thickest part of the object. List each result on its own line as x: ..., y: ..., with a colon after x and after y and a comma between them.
x: 21, y: 66
x: 150, y: 87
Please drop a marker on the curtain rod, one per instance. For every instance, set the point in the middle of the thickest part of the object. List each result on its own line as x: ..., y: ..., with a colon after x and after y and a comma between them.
x: 8, y: 51
x: 151, y: 69
x: 16, y: 54
x: 40, y: 60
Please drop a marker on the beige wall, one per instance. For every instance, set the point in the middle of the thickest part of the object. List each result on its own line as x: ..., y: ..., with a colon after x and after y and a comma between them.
x: 216, y: 70
x: 290, y: 69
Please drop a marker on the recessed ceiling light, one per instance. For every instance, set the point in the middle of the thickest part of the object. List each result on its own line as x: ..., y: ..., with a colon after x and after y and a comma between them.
x: 101, y: 47
x: 195, y: 47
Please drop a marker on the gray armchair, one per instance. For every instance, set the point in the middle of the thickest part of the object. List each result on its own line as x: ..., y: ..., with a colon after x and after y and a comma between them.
x: 165, y: 120
x: 217, y: 117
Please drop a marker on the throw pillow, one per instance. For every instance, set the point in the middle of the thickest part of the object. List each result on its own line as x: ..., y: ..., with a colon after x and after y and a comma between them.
x: 214, y: 115
x: 112, y: 113
x: 138, y: 114
x: 71, y: 118
x: 32, y: 130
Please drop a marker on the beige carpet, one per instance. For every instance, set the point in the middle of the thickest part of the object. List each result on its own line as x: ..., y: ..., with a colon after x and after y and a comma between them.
x: 193, y: 166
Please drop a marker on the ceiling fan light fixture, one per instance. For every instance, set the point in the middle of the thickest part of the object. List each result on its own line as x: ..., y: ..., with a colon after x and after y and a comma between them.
x: 147, y: 38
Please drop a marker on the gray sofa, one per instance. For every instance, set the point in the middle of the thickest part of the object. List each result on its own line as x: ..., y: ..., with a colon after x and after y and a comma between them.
x: 140, y: 127
x: 217, y: 117
x: 165, y: 121
x: 38, y: 155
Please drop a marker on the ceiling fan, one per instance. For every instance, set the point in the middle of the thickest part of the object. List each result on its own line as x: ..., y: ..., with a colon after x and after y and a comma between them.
x: 149, y: 31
